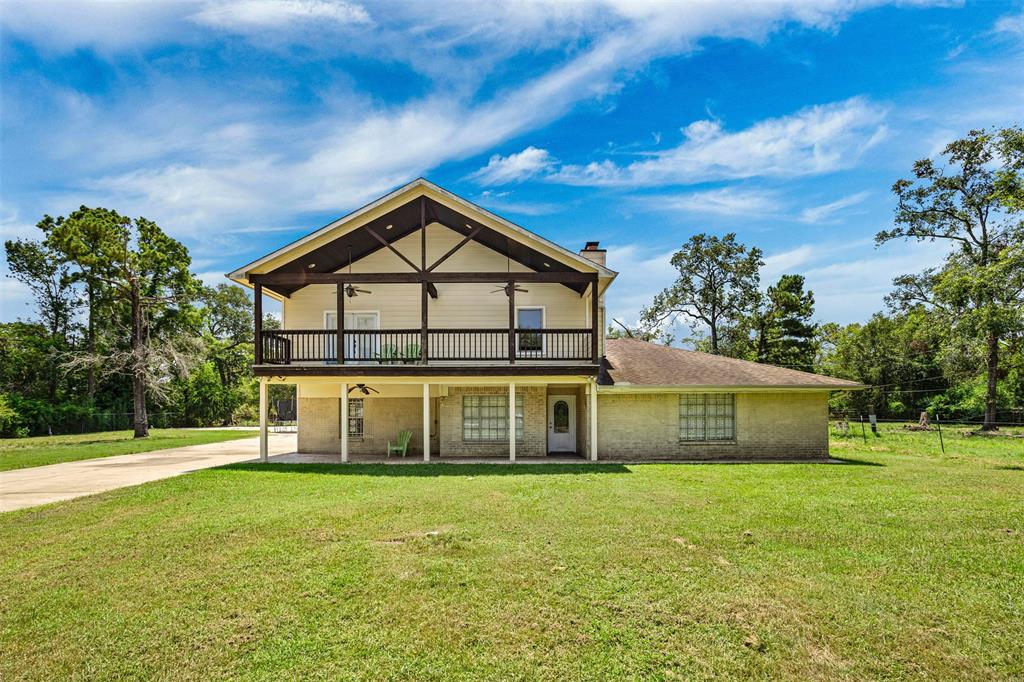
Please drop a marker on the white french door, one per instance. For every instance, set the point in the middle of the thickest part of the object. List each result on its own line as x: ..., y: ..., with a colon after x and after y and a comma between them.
x: 362, y: 346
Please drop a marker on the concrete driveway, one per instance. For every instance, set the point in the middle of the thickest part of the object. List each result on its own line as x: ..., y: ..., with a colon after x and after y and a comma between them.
x: 39, y: 485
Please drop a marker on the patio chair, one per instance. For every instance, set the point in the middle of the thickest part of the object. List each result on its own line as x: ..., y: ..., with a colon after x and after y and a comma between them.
x: 388, y: 354
x: 402, y: 445
x: 412, y: 353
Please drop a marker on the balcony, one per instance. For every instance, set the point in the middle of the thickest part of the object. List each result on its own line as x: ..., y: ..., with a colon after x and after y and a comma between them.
x: 397, y: 348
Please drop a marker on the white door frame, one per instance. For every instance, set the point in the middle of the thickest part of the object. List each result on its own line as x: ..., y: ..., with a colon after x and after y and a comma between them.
x: 375, y: 313
x: 568, y: 437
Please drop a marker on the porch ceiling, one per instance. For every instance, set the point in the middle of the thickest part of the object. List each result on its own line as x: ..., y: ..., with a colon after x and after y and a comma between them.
x: 405, y: 220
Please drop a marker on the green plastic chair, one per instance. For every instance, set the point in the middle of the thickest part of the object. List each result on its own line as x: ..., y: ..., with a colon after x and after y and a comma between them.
x: 402, y: 445
x: 412, y: 353
x: 388, y: 354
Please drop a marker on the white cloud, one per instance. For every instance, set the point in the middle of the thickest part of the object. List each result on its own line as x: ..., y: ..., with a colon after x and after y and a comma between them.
x: 64, y: 25
x: 818, y: 139
x: 785, y: 262
x: 1012, y: 24
x: 502, y: 170
x: 15, y: 297
x: 728, y: 201
x: 643, y: 272
x: 849, y: 279
x: 502, y: 202
x: 231, y: 162
x: 823, y: 212
x: 854, y: 284
x: 245, y: 15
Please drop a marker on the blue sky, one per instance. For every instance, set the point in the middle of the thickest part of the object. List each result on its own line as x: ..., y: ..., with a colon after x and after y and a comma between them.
x: 240, y: 125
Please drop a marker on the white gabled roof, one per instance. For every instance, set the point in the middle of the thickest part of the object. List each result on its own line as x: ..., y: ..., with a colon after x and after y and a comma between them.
x: 417, y: 187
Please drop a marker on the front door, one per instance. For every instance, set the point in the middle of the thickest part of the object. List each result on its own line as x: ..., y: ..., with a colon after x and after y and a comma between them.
x: 561, y: 423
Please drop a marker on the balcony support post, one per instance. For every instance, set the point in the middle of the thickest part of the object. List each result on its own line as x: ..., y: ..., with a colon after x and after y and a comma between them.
x: 424, y: 337
x: 344, y: 422
x: 257, y: 308
x: 592, y: 421
x: 511, y: 322
x: 512, y: 422
x: 340, y: 314
x: 425, y: 291
x: 595, y: 326
x: 264, y: 400
x: 426, y: 422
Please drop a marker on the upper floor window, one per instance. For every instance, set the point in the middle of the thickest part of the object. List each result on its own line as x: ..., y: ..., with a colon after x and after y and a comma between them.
x: 530, y: 318
x: 707, y: 417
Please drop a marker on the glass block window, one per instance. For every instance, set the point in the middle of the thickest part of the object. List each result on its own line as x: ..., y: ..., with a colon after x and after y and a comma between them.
x: 485, y: 417
x: 355, y: 418
x: 707, y: 417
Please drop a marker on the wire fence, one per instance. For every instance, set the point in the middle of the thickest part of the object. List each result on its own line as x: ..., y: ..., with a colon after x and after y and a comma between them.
x: 91, y: 422
x: 868, y: 427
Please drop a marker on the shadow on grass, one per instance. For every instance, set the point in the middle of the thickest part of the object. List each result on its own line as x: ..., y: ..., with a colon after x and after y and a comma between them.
x: 855, y: 462
x: 1011, y: 467
x: 428, y: 470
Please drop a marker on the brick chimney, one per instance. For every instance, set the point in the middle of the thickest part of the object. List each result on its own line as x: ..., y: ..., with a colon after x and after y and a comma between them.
x: 593, y: 252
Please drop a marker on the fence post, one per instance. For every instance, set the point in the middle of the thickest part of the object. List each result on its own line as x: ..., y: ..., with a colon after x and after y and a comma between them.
x: 939, y: 427
x: 863, y: 432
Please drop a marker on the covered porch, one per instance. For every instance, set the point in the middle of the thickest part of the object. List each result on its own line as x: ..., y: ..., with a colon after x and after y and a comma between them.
x: 454, y: 418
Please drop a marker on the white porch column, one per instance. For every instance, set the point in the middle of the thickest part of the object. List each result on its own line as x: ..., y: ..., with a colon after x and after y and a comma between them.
x: 263, y: 419
x: 592, y: 391
x: 344, y: 422
x: 426, y: 422
x: 511, y: 422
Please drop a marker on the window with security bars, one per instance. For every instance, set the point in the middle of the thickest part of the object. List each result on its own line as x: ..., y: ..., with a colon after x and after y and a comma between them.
x: 485, y: 417
x: 707, y: 417
x: 355, y: 418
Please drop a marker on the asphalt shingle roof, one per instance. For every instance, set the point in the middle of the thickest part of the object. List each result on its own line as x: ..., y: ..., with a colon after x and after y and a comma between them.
x: 632, y: 362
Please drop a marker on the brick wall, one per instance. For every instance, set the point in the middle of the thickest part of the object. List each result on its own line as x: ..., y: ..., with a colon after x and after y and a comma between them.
x: 630, y: 426
x: 768, y: 426
x: 383, y: 419
x: 533, y: 443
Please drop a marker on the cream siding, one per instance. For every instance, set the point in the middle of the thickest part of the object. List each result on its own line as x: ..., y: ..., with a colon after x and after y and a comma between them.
x: 458, y: 306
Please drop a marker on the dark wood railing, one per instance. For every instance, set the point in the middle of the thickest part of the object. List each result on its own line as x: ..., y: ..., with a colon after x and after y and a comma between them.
x: 404, y: 346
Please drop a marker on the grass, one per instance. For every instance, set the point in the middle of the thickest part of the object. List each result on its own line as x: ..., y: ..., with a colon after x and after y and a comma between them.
x: 19, y: 453
x: 901, y: 563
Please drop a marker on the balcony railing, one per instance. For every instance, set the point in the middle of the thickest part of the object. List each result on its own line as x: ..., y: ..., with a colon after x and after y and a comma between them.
x: 405, y: 346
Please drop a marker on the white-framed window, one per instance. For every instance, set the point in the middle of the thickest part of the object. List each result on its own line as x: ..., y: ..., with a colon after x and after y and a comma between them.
x: 485, y: 418
x: 530, y: 318
x: 355, y: 418
x: 707, y: 417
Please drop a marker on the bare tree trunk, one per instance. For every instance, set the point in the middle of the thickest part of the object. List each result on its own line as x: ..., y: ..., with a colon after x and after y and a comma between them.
x: 762, y: 342
x: 714, y: 335
x: 90, y: 390
x: 141, y: 420
x: 992, y: 371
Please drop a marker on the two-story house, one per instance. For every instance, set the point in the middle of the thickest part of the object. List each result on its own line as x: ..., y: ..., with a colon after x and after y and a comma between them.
x: 424, y: 313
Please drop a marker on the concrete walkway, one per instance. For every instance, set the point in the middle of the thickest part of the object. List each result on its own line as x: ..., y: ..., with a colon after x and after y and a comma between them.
x: 40, y: 485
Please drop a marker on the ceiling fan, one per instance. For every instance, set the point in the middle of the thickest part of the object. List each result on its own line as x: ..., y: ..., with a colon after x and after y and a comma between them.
x: 363, y: 388
x: 353, y: 291
x: 511, y: 286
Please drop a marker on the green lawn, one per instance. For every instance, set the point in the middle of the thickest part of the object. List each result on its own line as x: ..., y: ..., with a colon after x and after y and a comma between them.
x: 18, y: 453
x: 901, y: 563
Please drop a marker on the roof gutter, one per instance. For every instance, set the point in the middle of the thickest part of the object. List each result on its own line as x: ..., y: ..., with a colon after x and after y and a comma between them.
x: 716, y: 388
